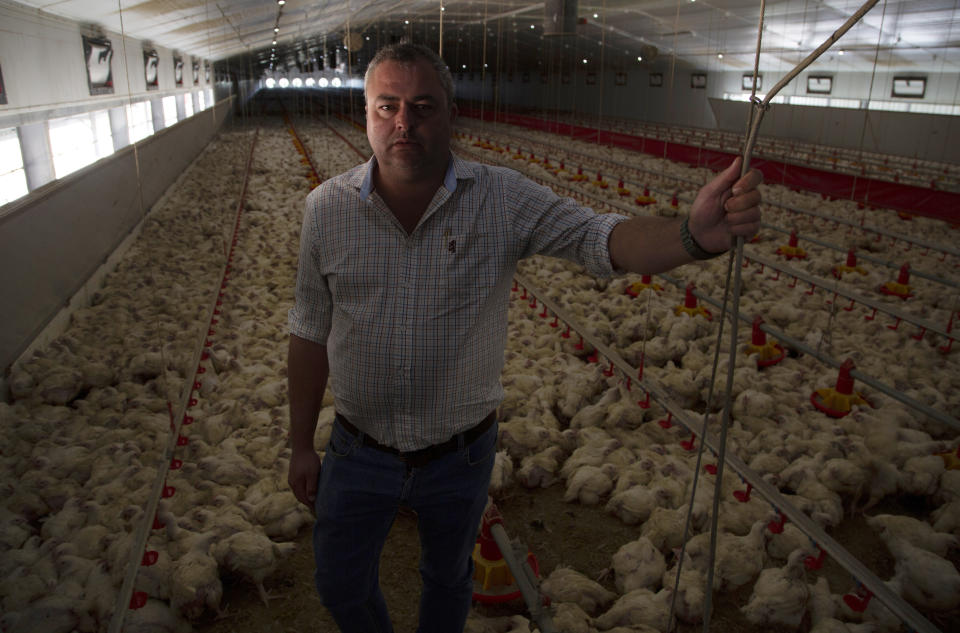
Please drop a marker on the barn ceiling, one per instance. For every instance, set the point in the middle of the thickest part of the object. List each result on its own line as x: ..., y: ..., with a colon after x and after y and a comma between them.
x: 715, y: 35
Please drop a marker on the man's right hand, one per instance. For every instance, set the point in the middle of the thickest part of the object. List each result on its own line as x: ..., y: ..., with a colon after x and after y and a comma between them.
x: 303, y: 476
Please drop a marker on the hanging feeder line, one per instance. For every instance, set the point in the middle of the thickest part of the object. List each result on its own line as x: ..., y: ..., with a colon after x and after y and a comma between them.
x: 799, y: 345
x: 597, y: 203
x: 302, y: 149
x: 854, y: 297
x: 866, y: 228
x: 716, y: 139
x: 344, y: 139
x: 756, y: 483
x: 617, y: 167
x: 876, y: 260
x: 789, y: 341
x: 125, y: 597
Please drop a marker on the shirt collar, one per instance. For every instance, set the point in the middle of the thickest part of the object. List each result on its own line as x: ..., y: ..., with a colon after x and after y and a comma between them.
x: 456, y: 170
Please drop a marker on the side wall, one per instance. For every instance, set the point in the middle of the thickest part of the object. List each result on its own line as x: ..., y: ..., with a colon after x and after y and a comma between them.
x: 922, y: 136
x: 54, y: 240
x: 45, y: 75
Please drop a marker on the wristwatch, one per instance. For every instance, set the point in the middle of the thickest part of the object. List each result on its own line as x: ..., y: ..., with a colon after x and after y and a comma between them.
x: 690, y: 245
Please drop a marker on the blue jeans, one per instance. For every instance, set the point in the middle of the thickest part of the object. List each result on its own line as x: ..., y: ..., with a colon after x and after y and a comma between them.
x: 358, y: 495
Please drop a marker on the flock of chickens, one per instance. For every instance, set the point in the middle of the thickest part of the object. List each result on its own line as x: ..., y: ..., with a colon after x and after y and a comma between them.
x: 87, y: 434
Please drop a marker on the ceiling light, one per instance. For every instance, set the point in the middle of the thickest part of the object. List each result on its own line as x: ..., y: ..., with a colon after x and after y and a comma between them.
x: 532, y: 27
x: 840, y: 52
x: 274, y: 42
x: 276, y: 29
x: 406, y: 21
x: 595, y: 16
x: 584, y: 61
x: 719, y: 55
x: 639, y: 59
x: 281, y: 2
x: 464, y: 66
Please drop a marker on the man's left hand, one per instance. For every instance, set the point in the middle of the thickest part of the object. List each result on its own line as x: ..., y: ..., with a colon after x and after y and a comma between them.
x: 726, y: 207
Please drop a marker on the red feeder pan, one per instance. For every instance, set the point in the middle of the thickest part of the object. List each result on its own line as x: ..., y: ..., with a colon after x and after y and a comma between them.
x: 837, y: 402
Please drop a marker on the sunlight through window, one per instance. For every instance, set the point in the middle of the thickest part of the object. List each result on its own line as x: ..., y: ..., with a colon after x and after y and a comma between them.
x: 139, y: 120
x: 13, y: 180
x: 76, y: 142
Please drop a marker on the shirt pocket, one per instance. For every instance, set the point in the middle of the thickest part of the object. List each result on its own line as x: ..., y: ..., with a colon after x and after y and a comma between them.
x: 469, y: 268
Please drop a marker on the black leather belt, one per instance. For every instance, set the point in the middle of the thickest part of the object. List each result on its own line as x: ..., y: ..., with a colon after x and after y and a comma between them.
x: 423, y: 456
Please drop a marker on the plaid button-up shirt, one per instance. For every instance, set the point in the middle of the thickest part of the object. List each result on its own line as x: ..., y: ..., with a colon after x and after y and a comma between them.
x: 415, y: 324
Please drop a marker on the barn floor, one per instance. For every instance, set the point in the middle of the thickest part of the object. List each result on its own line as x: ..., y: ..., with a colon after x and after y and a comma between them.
x: 558, y: 533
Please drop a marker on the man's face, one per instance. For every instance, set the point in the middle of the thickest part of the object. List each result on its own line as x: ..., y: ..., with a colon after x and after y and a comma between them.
x: 408, y: 119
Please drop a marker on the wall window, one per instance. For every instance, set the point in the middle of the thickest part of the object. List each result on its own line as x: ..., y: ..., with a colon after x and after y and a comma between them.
x: 139, y: 120
x: 202, y: 96
x: 188, y: 103
x: 77, y: 141
x: 169, y: 110
x: 13, y: 180
x: 909, y: 87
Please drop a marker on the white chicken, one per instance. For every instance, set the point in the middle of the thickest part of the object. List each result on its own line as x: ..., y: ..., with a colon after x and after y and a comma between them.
x: 540, y: 469
x: 568, y: 585
x: 914, y: 531
x: 569, y: 617
x: 589, y: 483
x: 195, y: 579
x: 502, y: 475
x: 927, y: 580
x: 638, y: 565
x: 780, y: 595
x: 640, y: 606
x: 633, y: 505
x: 251, y: 554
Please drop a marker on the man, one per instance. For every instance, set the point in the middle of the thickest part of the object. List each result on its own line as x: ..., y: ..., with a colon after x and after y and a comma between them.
x: 405, y: 272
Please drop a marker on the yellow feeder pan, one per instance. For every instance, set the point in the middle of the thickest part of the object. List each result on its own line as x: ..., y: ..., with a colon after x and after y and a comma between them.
x: 791, y: 250
x: 623, y: 191
x: 951, y: 459
x: 899, y: 288
x: 600, y: 182
x: 690, y: 306
x: 768, y: 352
x: 493, y: 582
x: 849, y: 267
x: 578, y: 177
x: 488, y: 574
x: 837, y: 401
x: 646, y: 281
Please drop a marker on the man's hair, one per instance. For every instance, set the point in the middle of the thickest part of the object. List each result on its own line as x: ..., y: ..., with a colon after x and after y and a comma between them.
x: 407, y: 53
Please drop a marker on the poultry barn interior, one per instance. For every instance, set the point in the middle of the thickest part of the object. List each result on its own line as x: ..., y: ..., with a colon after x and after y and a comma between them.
x: 793, y: 406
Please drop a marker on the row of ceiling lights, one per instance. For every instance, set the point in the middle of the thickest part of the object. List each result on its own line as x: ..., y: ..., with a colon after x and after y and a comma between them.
x: 276, y: 32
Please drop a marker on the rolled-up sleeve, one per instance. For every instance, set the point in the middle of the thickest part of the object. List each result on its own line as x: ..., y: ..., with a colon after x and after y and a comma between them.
x: 562, y: 228
x: 310, y: 317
